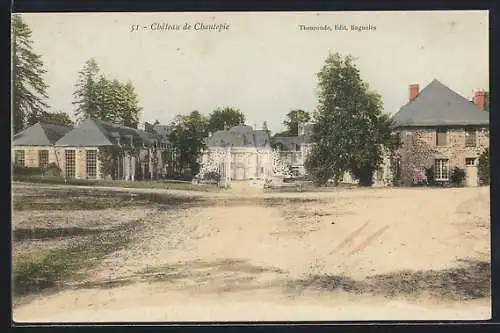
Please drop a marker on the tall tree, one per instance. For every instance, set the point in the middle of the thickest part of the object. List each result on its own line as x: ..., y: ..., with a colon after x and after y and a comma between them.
x: 29, y: 89
x: 98, y: 97
x: 188, y: 138
x: 58, y: 118
x: 293, y: 119
x: 350, y: 132
x: 85, y: 95
x: 223, y: 117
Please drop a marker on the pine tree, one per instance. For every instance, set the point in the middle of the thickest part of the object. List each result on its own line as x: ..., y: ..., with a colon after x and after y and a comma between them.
x: 85, y: 95
x: 29, y: 90
x: 98, y: 97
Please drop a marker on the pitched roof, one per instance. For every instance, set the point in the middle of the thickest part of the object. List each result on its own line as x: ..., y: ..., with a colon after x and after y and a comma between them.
x: 289, y: 142
x: 97, y: 133
x: 438, y: 105
x: 239, y: 136
x: 40, y: 134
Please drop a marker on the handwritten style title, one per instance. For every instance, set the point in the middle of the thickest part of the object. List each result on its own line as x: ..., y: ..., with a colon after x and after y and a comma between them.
x: 198, y: 26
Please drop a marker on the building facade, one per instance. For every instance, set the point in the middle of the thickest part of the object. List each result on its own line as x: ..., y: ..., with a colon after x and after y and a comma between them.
x: 440, y: 130
x: 97, y: 149
x: 34, y: 147
x: 248, y: 152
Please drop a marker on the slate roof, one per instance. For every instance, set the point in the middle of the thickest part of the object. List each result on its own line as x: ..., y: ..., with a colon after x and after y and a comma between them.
x: 98, y: 133
x: 290, y: 142
x: 438, y: 105
x: 40, y: 134
x: 239, y: 136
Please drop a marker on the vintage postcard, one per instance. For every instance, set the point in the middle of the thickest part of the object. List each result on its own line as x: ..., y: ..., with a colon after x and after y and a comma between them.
x: 250, y: 166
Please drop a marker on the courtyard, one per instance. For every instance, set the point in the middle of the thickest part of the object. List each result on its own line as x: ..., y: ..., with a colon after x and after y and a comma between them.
x: 116, y: 254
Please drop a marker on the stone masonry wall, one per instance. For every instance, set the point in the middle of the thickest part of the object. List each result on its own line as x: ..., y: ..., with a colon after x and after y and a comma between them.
x: 455, y: 149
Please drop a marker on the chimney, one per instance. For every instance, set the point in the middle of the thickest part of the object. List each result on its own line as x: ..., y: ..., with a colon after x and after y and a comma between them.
x: 480, y: 99
x: 414, y: 91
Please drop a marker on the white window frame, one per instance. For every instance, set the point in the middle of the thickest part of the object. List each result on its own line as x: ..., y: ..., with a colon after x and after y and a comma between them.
x: 94, y: 167
x: 467, y: 159
x: 17, y: 161
x: 66, y: 163
x: 40, y: 158
x: 438, y: 169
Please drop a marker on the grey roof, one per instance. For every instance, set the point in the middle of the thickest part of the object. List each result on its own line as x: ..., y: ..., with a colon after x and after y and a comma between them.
x: 438, y: 105
x: 40, y: 134
x: 97, y: 133
x: 239, y: 136
x: 289, y: 142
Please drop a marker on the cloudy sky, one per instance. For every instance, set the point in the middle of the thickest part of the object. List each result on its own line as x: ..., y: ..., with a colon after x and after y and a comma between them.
x: 263, y: 63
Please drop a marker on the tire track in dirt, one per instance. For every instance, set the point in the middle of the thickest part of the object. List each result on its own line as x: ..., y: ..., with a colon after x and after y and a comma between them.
x: 369, y: 240
x: 349, y: 239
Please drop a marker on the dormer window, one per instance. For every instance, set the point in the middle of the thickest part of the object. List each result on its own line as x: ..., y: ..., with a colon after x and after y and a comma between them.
x: 116, y: 138
x: 130, y: 140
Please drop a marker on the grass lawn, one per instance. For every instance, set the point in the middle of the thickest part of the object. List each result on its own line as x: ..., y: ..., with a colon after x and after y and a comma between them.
x: 158, y: 184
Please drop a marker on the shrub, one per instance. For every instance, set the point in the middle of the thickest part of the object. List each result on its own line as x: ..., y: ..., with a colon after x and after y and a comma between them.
x: 457, y: 176
x: 212, y: 176
x: 27, y: 171
x: 53, y: 170
x: 484, y: 167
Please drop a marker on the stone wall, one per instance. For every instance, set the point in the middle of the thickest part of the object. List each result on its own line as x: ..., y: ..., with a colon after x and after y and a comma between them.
x: 419, y: 149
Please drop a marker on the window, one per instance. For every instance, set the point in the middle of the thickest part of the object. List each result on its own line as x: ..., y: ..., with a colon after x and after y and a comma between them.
x: 91, y: 164
x: 43, y: 158
x: 70, y: 163
x: 470, y: 161
x: 470, y: 137
x: 441, y: 169
x: 441, y: 134
x: 19, y: 157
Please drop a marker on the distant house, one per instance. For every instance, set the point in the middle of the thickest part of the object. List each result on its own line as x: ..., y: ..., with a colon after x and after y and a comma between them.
x: 441, y: 129
x: 294, y: 149
x: 97, y: 149
x: 34, y: 146
x: 249, y: 151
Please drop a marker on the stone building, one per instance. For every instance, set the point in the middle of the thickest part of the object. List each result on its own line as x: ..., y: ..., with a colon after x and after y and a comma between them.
x: 97, y: 149
x: 295, y: 149
x: 34, y: 146
x: 249, y: 151
x: 441, y: 129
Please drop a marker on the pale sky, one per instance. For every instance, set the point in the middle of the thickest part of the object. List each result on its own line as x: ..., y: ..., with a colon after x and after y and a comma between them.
x: 263, y: 63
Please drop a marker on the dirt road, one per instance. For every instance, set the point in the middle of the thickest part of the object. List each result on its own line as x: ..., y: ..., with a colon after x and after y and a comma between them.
x: 344, y: 255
